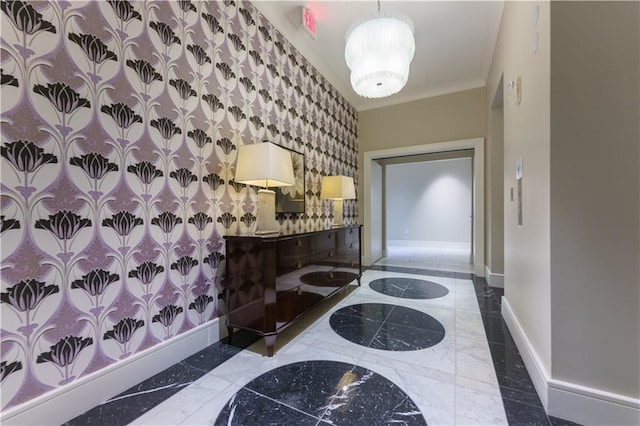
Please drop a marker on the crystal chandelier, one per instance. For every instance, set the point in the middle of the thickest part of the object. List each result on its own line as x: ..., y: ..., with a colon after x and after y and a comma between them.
x: 378, y: 52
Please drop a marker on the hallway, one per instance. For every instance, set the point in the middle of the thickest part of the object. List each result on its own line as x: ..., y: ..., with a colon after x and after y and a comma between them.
x: 410, y: 345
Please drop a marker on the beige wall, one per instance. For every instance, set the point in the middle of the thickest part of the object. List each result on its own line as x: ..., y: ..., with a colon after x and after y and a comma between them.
x: 595, y: 219
x: 526, y: 136
x: 572, y: 276
x: 494, y: 175
x: 444, y: 118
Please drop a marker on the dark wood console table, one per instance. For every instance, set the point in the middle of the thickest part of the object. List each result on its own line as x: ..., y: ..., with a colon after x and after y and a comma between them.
x: 272, y: 280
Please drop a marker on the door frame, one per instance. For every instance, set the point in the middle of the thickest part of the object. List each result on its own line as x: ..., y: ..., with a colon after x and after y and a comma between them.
x: 477, y: 144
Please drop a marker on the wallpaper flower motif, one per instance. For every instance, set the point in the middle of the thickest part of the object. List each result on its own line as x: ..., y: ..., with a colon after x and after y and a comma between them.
x: 25, y: 18
x: 63, y: 97
x: 123, y: 332
x: 26, y: 295
x: 8, y: 368
x: 124, y: 10
x: 64, y: 353
x: 95, y: 282
x: 93, y: 47
x: 121, y: 122
x: 123, y: 116
x: 26, y: 156
x: 8, y: 79
x: 145, y: 71
x: 64, y: 224
x: 94, y: 165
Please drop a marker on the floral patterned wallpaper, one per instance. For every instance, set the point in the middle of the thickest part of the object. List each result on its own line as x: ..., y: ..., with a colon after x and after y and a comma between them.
x: 120, y: 127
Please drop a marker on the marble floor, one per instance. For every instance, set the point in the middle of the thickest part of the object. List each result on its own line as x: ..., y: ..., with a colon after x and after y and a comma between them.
x: 437, y: 259
x: 409, y: 346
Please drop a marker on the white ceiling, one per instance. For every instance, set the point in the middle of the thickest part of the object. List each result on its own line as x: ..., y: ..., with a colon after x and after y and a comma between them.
x: 455, y: 41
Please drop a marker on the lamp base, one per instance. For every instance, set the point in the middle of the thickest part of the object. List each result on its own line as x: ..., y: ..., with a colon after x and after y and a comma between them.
x: 266, y: 222
x: 337, y: 214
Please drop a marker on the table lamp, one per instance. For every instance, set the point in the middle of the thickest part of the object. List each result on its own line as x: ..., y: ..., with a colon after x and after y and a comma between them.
x: 266, y: 165
x: 337, y: 188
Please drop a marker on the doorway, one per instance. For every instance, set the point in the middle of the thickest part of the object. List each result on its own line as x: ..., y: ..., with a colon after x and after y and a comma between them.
x: 373, y: 200
x: 428, y: 211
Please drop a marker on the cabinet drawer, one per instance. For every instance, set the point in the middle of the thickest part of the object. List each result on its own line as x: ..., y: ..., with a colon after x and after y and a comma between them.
x: 348, y: 256
x: 348, y: 236
x: 323, y: 241
x: 292, y: 263
x: 293, y: 303
x: 294, y: 247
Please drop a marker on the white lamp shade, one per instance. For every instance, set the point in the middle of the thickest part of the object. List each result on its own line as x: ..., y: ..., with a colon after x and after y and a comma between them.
x: 264, y: 164
x: 338, y: 188
x: 378, y: 51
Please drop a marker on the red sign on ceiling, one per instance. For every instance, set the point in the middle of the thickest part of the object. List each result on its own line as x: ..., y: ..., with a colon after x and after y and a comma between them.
x: 309, y: 21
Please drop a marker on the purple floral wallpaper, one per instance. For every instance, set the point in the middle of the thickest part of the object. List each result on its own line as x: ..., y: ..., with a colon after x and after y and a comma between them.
x: 120, y: 126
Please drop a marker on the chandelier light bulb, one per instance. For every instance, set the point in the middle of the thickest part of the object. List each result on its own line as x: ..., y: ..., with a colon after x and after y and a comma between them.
x: 379, y: 50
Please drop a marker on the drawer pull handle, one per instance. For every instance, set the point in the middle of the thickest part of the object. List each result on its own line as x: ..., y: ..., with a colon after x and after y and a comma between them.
x: 330, y: 253
x: 298, y: 264
x: 350, y: 231
x: 329, y: 236
x: 299, y: 291
x: 298, y: 243
x: 351, y: 245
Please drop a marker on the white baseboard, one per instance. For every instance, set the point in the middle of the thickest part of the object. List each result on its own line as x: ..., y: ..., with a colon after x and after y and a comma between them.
x: 431, y: 244
x: 532, y: 361
x: 494, y: 280
x: 589, y: 406
x: 570, y: 401
x: 67, y: 402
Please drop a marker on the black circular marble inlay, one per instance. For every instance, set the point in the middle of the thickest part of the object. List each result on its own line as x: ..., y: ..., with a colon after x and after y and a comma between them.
x: 409, y: 288
x: 387, y: 327
x: 327, y: 278
x: 320, y: 392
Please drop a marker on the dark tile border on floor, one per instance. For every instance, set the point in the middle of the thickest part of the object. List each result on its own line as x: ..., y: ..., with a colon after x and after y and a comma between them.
x: 418, y: 271
x: 137, y: 400
x: 519, y: 397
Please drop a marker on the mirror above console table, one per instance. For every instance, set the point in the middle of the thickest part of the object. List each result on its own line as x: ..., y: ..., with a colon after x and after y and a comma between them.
x: 271, y: 280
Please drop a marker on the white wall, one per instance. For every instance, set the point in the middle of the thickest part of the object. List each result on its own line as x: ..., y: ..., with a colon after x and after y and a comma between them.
x: 376, y: 193
x: 429, y: 201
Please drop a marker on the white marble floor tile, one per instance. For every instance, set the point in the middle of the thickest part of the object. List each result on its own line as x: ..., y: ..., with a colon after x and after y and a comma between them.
x: 435, y: 398
x: 466, y: 301
x: 322, y: 337
x: 440, y: 357
x: 469, y: 325
x: 251, y: 363
x: 428, y: 258
x: 208, y: 413
x: 186, y: 402
x: 483, y: 387
x: 473, y: 360
x: 478, y: 408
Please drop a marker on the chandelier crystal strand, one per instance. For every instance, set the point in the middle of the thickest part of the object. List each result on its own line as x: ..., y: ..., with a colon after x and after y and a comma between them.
x: 379, y: 49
